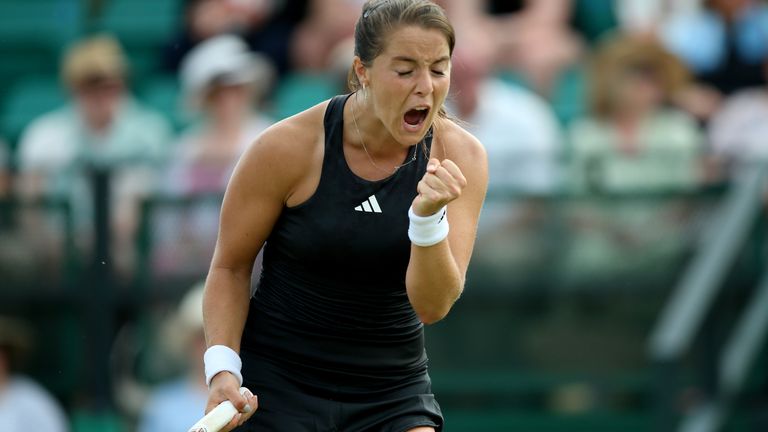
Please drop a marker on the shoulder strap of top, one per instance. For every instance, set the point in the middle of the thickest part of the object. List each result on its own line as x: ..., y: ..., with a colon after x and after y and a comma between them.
x: 333, y: 122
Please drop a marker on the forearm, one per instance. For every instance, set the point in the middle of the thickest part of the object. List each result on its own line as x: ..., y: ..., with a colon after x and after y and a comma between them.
x: 433, y: 281
x: 225, y: 306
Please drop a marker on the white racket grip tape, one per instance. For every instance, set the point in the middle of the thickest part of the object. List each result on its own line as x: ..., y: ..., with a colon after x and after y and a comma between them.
x: 218, y: 417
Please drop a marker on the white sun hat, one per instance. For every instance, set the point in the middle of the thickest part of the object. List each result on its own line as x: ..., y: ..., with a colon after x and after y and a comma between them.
x: 223, y: 60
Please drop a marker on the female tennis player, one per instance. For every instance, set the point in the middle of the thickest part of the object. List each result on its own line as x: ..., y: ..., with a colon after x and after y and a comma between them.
x: 368, y: 206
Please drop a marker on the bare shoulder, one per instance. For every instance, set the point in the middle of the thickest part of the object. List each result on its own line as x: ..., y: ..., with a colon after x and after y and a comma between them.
x: 457, y: 144
x: 291, y: 139
x: 285, y: 152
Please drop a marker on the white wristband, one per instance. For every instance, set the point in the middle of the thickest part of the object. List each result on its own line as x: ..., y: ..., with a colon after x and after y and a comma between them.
x: 427, y: 230
x: 220, y: 358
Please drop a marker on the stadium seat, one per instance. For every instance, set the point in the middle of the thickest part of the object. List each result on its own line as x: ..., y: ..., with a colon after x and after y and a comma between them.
x: 142, y: 27
x: 49, y: 23
x: 32, y: 34
x: 28, y: 99
x: 85, y: 421
x: 162, y: 93
x: 595, y: 18
x: 299, y: 91
x: 141, y: 23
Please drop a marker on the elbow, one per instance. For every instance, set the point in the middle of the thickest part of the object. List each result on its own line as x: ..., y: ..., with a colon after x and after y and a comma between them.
x: 432, y: 316
x: 431, y: 310
x: 435, y: 312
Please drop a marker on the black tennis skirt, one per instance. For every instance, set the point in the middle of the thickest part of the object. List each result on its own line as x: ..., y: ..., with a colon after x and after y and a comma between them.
x: 289, y: 401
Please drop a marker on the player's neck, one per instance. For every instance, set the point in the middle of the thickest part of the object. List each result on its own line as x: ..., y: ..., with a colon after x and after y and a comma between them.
x: 362, y: 127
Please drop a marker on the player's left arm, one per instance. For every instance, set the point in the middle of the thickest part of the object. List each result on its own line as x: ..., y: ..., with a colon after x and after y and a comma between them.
x: 458, y: 179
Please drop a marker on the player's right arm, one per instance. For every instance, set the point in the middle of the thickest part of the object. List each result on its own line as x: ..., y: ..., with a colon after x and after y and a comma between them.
x: 263, y: 181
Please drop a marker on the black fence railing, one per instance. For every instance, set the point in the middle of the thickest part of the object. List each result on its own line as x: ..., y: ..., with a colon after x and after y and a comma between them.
x: 545, y: 265
x: 38, y: 253
x: 711, y: 331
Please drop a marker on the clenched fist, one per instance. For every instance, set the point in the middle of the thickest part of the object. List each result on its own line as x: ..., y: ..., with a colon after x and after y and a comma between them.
x: 442, y: 183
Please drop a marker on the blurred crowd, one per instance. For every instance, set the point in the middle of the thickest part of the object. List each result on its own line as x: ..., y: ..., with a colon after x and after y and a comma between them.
x: 580, y: 95
x: 568, y: 96
x: 575, y: 96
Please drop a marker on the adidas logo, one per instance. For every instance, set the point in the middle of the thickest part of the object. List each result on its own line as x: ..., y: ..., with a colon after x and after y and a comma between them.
x: 369, y: 206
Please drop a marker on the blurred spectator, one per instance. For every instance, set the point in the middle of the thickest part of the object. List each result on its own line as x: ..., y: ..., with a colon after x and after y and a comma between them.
x: 737, y: 133
x: 266, y: 25
x: 535, y: 45
x: 327, y: 23
x: 516, y: 126
x: 632, y: 141
x: 532, y: 38
x: 645, y: 17
x: 102, y: 127
x: 176, y: 405
x: 24, y: 404
x: 272, y: 34
x: 539, y: 43
x: 724, y: 44
x: 226, y: 83
x: 203, y: 19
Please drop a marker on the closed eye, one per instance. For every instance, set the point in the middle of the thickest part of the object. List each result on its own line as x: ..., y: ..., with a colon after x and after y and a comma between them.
x: 403, y: 73
x: 439, y: 73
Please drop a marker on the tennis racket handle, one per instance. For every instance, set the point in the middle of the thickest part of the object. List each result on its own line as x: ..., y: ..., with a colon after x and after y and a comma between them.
x: 218, y: 417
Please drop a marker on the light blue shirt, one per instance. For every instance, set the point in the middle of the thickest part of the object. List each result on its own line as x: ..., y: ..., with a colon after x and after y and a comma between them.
x: 173, y: 407
x: 699, y: 38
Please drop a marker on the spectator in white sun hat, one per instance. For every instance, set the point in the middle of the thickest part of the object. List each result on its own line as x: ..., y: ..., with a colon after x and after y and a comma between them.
x: 224, y: 84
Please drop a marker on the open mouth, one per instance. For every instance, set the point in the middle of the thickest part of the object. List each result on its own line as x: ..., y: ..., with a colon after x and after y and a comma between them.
x: 415, y: 118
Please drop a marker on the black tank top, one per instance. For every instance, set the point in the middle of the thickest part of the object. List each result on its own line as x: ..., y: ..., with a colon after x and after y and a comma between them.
x: 331, y: 303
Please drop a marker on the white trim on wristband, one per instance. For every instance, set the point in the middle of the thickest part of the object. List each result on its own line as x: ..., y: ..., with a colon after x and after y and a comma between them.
x: 427, y: 230
x: 220, y: 358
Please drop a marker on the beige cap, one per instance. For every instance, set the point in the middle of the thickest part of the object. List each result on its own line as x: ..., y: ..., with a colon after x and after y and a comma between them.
x: 190, y: 309
x: 96, y: 57
x: 185, y: 323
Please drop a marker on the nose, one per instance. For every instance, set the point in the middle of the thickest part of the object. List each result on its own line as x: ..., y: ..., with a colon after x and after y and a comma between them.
x: 424, y: 84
